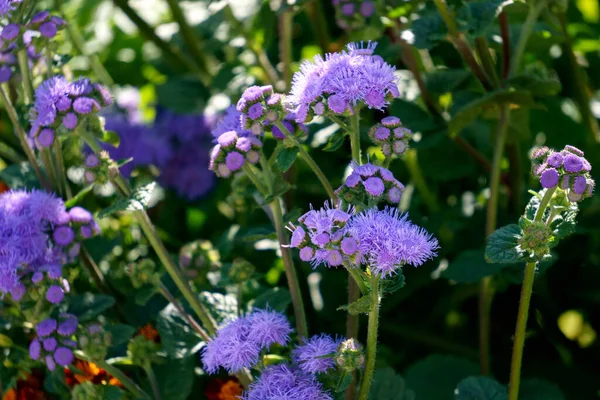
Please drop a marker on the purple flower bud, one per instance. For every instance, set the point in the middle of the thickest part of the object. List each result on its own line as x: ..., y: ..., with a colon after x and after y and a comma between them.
x: 321, y: 239
x: 579, y: 184
x: 63, y: 104
x: 573, y: 163
x: 63, y: 235
x: 74, y: 250
x: 227, y: 139
x: 255, y: 111
x: 319, y: 108
x: 382, y: 133
x: 386, y: 149
x: 45, y: 138
x: 40, y: 17
x: 274, y: 100
x: 252, y: 94
x: 92, y: 161
x: 11, y: 32
x: 349, y: 246
x: 80, y: 215
x: 37, y: 277
x: 565, y: 182
x: 555, y: 160
x: 63, y: 356
x: 266, y: 90
x: 337, y: 104
x: 394, y: 195
x: 35, y: 349
x: 256, y: 128
x: 298, y: 237
x: 574, y: 150
x: 306, y: 254
x: 590, y: 187
x: 352, y: 180
x: 46, y: 327
x: 243, y: 144
x: 375, y: 99
x: 68, y: 326
x: 48, y: 29
x: 50, y: 363
x: 50, y: 344
x: 105, y: 95
x: 399, y: 147
x: 85, y: 105
x: 95, y: 329
x: 58, y: 21
x: 367, y: 9
x: 85, y: 232
x: 18, y: 292
x: 223, y: 171
x: 70, y: 121
x: 347, y: 9
x: 549, y: 178
x: 5, y: 73
x: 366, y: 170
x: 241, y: 105
x: 253, y: 157
x: 374, y: 186
x: 572, y: 196
x: 55, y: 294
x: 400, y: 132
x: 54, y: 271
x: 334, y: 258
x: 234, y: 160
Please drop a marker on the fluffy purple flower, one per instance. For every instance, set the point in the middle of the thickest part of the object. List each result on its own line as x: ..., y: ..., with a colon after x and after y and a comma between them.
x: 63, y: 235
x: 388, y: 240
x: 68, y: 325
x: 46, y: 97
x: 268, y: 328
x: 11, y: 32
x: 313, y: 356
x: 55, y: 294
x: 281, y: 381
x: 63, y: 356
x: 573, y: 163
x: 70, y: 120
x: 50, y: 344
x: 579, y: 184
x: 48, y: 29
x: 549, y: 178
x: 6, y: 6
x: 46, y: 327
x: 232, y: 349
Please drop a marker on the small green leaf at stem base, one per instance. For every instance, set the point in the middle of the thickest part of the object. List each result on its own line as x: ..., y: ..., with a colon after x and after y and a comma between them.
x: 360, y: 306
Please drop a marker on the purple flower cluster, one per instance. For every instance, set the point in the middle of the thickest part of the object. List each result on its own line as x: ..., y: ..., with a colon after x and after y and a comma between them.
x: 238, y: 345
x: 341, y: 83
x: 368, y: 184
x: 351, y: 14
x: 53, y: 344
x: 59, y: 104
x: 285, y: 382
x: 48, y: 25
x: 316, y: 354
x: 387, y: 240
x: 567, y: 169
x: 321, y: 237
x: 391, y: 136
x: 37, y: 236
x: 259, y: 106
x: 6, y: 6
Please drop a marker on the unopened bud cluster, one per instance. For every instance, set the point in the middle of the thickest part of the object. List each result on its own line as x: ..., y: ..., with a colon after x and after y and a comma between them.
x: 232, y: 151
x: 353, y: 14
x: 259, y: 107
x: 350, y: 356
x: 391, y: 136
x: 370, y: 184
x: 198, y: 256
x: 536, y: 238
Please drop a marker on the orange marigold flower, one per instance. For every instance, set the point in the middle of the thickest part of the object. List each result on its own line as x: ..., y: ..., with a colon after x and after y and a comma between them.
x: 87, y: 371
x: 224, y: 389
x: 149, y: 332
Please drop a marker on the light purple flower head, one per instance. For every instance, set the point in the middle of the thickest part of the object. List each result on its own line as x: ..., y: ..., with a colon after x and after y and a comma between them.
x: 313, y: 355
x: 46, y: 97
x: 11, y: 32
x: 281, y: 381
x: 46, y: 327
x: 368, y: 185
x: 388, y: 240
x: 268, y: 328
x: 55, y: 294
x: 6, y: 6
x: 67, y: 325
x: 63, y: 356
x: 231, y: 349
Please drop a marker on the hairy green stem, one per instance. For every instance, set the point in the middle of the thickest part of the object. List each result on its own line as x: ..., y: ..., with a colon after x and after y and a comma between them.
x: 355, y: 137
x: 150, y: 232
x: 363, y: 394
x: 338, y: 121
x: 356, y: 275
x: 153, y: 382
x: 26, y: 76
x: 520, y: 330
x: 255, y: 179
x: 22, y: 136
x: 308, y: 160
x: 290, y: 270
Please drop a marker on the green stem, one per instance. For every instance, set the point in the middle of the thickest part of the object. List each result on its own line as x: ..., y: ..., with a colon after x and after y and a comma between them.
x: 483, y: 51
x: 153, y: 382
x: 363, y: 394
x: 22, y: 136
x: 520, y: 330
x: 60, y: 163
x: 416, y: 175
x: 355, y: 137
x: 338, y: 121
x: 286, y: 21
x: 526, y: 30
x: 164, y: 291
x: 356, y: 275
x: 308, y: 160
x: 49, y: 165
x: 190, y: 38
x: 255, y: 179
x: 130, y: 385
x: 10, y: 154
x: 447, y: 16
x: 78, y: 43
x: 26, y: 75
x: 319, y: 23
x: 150, y: 232
x: 290, y: 270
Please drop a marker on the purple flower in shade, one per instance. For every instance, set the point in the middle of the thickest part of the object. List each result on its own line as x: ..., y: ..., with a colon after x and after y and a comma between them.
x: 555, y: 160
x: 46, y: 97
x: 63, y: 235
x: 63, y: 356
x: 85, y: 232
x: 255, y: 111
x: 70, y: 120
x: 347, y: 9
x: 549, y: 178
x: 48, y: 29
x: 573, y: 163
x: 374, y: 186
x: 234, y: 161
x: 388, y: 240
x: 378, y: 184
x: 35, y: 349
x: 92, y: 161
x: 68, y: 324
x: 579, y: 184
x: 268, y: 328
x: 11, y: 32
x: 281, y: 381
x: 80, y: 215
x: 50, y: 344
x: 40, y: 17
x: 17, y: 292
x: 46, y: 327
x: 85, y: 105
x: 55, y: 294
x: 231, y: 349
x: 313, y: 355
x: 367, y: 8
x: 5, y: 73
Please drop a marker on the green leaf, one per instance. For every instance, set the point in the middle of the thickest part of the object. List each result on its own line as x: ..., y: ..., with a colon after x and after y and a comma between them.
x: 502, y: 246
x: 88, y: 306
x: 445, y: 80
x: 394, y: 283
x: 389, y: 386
x: 428, y: 31
x: 113, y: 393
x: 222, y: 306
x: 360, y: 306
x: 120, y: 333
x: 480, y: 388
x: 139, y: 200
x: 436, y: 377
x: 111, y: 138
x: 182, y: 94
x: 538, y: 389
x: 79, y: 196
x: 539, y: 86
x: 177, y: 337
x: 478, y: 17
x: 470, y: 266
x: 19, y: 176
x: 286, y: 158
x: 175, y: 378
x: 413, y: 117
x: 335, y: 141
x: 344, y: 381
x: 277, y: 299
x: 144, y: 294
x: 564, y: 224
x: 471, y: 111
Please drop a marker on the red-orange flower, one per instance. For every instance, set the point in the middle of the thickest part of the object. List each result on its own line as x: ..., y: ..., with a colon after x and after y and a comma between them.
x: 3, y: 187
x: 90, y: 372
x: 224, y: 389
x: 30, y: 388
x: 149, y: 332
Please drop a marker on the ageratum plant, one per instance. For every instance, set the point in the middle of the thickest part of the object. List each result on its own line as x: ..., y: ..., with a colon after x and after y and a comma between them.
x: 298, y: 200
